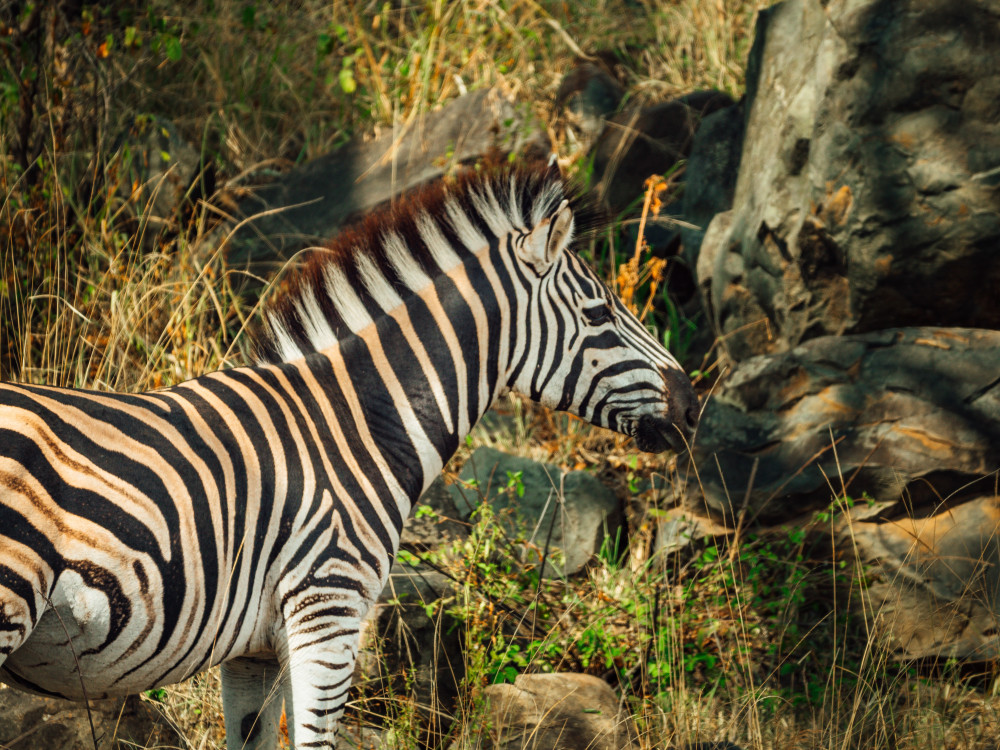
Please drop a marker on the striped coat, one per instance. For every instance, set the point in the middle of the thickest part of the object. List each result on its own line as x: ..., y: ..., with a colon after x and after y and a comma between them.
x: 249, y: 517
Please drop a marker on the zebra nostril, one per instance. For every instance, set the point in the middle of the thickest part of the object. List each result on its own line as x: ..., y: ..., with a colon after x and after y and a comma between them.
x: 691, y: 417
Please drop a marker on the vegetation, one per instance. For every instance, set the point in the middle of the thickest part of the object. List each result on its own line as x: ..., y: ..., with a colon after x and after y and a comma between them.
x: 751, y: 639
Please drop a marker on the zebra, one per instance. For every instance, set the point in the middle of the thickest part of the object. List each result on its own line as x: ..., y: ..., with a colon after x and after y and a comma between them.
x: 249, y: 517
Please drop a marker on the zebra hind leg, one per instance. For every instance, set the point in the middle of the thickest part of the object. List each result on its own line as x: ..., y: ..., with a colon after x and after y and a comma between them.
x: 251, y: 703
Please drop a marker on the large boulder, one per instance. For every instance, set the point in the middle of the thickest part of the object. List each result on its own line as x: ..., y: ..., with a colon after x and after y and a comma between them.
x: 651, y: 140
x: 905, y: 416
x: 309, y: 204
x: 34, y: 721
x: 570, y: 515
x: 868, y: 193
x: 933, y: 582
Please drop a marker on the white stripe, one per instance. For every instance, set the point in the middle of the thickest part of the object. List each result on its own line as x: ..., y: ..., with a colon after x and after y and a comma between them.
x: 488, y: 207
x: 317, y: 327
x: 377, y: 284
x: 404, y: 264
x: 462, y: 225
x: 288, y: 350
x: 515, y: 207
x: 441, y: 250
x: 345, y: 299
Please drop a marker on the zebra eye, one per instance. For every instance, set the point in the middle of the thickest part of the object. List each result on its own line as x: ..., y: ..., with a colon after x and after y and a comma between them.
x: 597, y: 314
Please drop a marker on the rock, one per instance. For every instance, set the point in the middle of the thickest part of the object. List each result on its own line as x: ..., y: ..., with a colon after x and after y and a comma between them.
x: 33, y: 721
x: 905, y: 415
x: 559, y: 711
x: 312, y: 201
x: 933, y: 582
x: 433, y: 521
x: 353, y: 737
x: 588, y: 94
x: 867, y: 191
x: 419, y: 650
x: 710, y: 176
x: 638, y: 143
x: 582, y: 513
x: 677, y: 528
x: 158, y: 168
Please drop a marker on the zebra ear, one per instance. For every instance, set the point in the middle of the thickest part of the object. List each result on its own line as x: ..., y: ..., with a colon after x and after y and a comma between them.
x: 549, y: 238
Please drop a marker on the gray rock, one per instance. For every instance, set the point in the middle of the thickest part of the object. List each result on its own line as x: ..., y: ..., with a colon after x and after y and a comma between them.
x: 352, y: 737
x: 582, y: 514
x: 905, y: 415
x: 638, y: 143
x: 314, y: 200
x: 933, y: 582
x: 866, y: 195
x: 710, y: 176
x: 678, y: 528
x: 561, y: 711
x: 419, y: 649
x: 433, y: 521
x: 158, y: 167
x: 34, y: 721
x: 588, y: 94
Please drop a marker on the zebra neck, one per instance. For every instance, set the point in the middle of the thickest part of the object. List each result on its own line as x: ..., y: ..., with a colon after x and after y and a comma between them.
x: 423, y: 374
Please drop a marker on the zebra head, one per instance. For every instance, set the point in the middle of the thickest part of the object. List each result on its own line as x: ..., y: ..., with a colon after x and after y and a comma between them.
x: 589, y: 354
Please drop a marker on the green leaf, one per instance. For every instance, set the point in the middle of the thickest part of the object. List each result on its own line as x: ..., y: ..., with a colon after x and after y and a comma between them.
x: 347, y: 82
x: 173, y: 48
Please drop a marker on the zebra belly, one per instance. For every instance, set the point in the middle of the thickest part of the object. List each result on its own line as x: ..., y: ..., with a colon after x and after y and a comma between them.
x: 83, y: 633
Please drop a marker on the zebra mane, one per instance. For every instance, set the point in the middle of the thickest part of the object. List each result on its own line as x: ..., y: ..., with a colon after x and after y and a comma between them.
x: 394, y: 252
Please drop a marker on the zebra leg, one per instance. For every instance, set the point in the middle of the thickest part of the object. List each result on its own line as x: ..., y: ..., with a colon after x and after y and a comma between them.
x: 251, y: 703
x: 320, y: 668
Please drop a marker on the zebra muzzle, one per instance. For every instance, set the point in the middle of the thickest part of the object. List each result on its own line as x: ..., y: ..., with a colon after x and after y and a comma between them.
x: 654, y: 434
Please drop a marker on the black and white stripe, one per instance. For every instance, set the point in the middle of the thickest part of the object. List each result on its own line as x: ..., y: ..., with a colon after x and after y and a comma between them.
x: 249, y: 517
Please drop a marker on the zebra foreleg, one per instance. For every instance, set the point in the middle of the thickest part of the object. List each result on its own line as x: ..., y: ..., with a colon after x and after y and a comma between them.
x: 320, y: 667
x: 251, y: 703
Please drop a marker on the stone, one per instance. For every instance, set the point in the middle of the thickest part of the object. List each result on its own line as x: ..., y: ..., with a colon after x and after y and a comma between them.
x: 866, y: 195
x: 678, y: 528
x: 353, y: 737
x: 582, y: 514
x: 588, y: 94
x: 419, y: 646
x: 158, y: 170
x: 710, y: 176
x: 933, y: 582
x: 309, y: 203
x: 561, y: 711
x: 34, y: 721
x: 638, y: 143
x: 904, y: 416
x: 433, y: 521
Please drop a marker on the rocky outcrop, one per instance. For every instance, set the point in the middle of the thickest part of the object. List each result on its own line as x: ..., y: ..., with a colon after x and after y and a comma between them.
x: 308, y: 204
x: 638, y: 143
x: 33, y: 721
x: 907, y: 416
x: 933, y: 582
x: 566, y: 517
x: 556, y: 712
x: 868, y: 193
